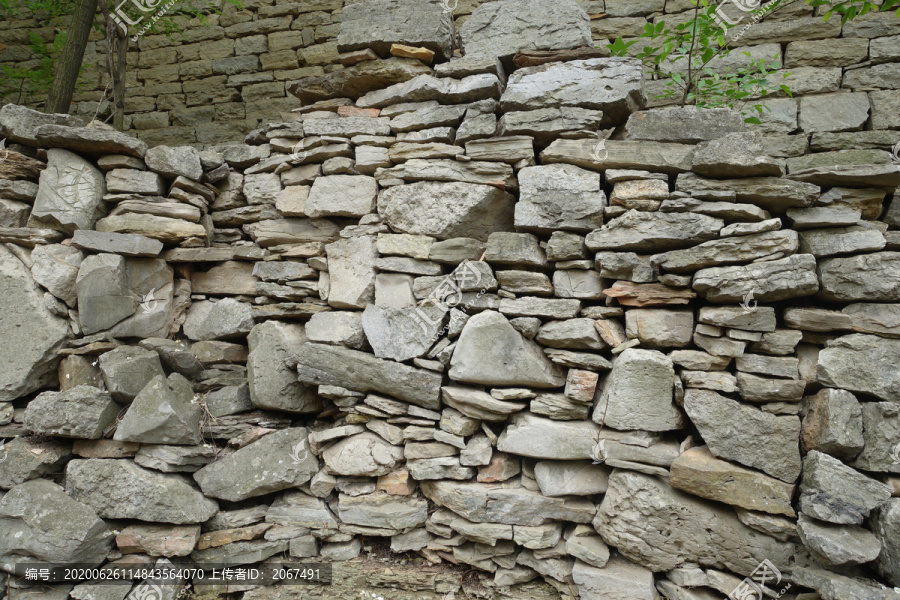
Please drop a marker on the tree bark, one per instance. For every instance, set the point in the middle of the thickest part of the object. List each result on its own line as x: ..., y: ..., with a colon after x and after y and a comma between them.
x: 69, y: 65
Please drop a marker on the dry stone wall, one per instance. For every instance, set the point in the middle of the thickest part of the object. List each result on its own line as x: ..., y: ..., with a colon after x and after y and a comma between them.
x: 513, y: 320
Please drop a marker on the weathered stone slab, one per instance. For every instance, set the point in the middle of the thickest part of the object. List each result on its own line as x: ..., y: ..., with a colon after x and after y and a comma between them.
x: 89, y: 140
x: 321, y: 364
x: 447, y: 210
x: 18, y: 123
x: 635, y: 517
x: 601, y: 154
x: 358, y: 79
x: 379, y: 24
x: 556, y: 197
x: 867, y: 278
x: 277, y: 461
x: 537, y: 437
x: 861, y: 363
x: 273, y: 383
x: 117, y: 243
x: 653, y: 231
x: 771, y: 193
x: 791, y: 277
x: 833, y: 492
x: 683, y: 125
x: 743, y: 248
x: 502, y: 29
x: 362, y: 455
x: 70, y: 194
x: 162, y: 413
x: 734, y: 431
x: 426, y: 87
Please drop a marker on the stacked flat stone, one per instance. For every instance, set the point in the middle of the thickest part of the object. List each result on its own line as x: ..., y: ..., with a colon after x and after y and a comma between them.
x: 457, y: 313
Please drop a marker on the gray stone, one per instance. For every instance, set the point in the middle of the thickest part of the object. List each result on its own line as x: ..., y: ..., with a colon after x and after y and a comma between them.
x: 578, y: 283
x: 321, y: 364
x: 342, y: 196
x: 537, y: 437
x: 119, y: 489
x: 838, y: 545
x: 635, y: 517
x: 743, y: 248
x: 55, y: 267
x: 80, y: 412
x: 559, y: 197
x: 660, y: 328
x: 736, y: 155
x: 619, y: 579
x: 477, y: 404
x: 222, y: 320
x: 594, y: 154
x: 571, y: 478
x: 834, y: 112
x: 612, y: 85
x: 546, y: 124
x: 93, y: 141
x: 417, y: 169
x: 426, y: 87
x: 390, y: 512
x: 831, y: 491
x: 39, y: 522
x: 506, y: 248
x: 881, y: 319
x: 70, y: 194
x: 866, y: 278
x: 884, y: 523
x: 362, y: 455
x: 116, y: 243
x: 653, y: 231
x: 128, y: 369
x: 173, y: 162
x: 501, y: 29
x: 771, y: 193
x: 402, y: 333
x: 491, y: 352
x: 164, y: 412
x: 485, y: 503
x: 881, y: 430
x: 18, y: 123
x: 273, y: 232
x: 683, y: 125
x: 378, y: 24
x: 351, y: 268
x: 861, y: 363
x: 791, y: 277
x: 638, y: 393
x: 447, y: 210
x: 175, y: 459
x: 24, y: 460
x: 273, y: 381
x: 175, y: 355
x: 573, y: 334
x: 337, y: 327
x: 833, y: 424
x: 277, y: 461
x: 746, y: 435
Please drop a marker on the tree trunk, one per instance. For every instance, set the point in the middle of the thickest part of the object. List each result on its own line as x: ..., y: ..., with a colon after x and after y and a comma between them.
x: 70, y: 60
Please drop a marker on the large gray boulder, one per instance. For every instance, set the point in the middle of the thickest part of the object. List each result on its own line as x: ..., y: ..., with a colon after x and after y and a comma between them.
x: 861, y: 363
x: 885, y: 524
x: 119, y: 489
x: 831, y: 491
x: 881, y: 430
x: 377, y: 24
x: 172, y: 162
x: 447, y: 210
x: 403, y: 333
x: 833, y: 423
x: 223, y: 320
x: 391, y: 512
x: 559, y: 197
x: 273, y: 381
x: 31, y: 333
x: 636, y: 517
x: 22, y: 460
x: 612, y: 85
x: 734, y: 431
x: 56, y: 268
x: 491, y: 352
x: 503, y: 28
x: 39, y: 522
x: 867, y: 278
x: 351, y: 272
x: 277, y: 461
x: 838, y: 545
x: 537, y: 437
x: 638, y: 392
x: 70, y: 195
x: 80, y: 412
x: 321, y: 364
x: 164, y: 412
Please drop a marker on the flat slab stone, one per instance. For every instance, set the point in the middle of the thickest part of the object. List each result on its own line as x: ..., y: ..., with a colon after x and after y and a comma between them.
x: 612, y: 85
x: 502, y: 29
x: 377, y: 24
x: 126, y: 244
x: 70, y: 193
x: 321, y: 364
x: 861, y: 363
x: 683, y: 125
x: 89, y: 140
x: 867, y: 277
x: 653, y: 231
x: 791, y: 277
x: 537, y: 437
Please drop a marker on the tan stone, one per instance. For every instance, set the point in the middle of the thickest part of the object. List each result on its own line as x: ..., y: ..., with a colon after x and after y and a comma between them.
x: 104, y: 449
x: 158, y: 540
x: 698, y: 472
x: 502, y: 467
x: 581, y: 385
x: 397, y: 483
x: 353, y: 111
x: 214, y: 539
x: 403, y: 51
x: 227, y: 278
x: 648, y: 294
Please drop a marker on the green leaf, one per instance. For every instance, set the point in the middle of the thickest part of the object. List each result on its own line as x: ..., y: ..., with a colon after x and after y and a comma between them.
x: 753, y: 120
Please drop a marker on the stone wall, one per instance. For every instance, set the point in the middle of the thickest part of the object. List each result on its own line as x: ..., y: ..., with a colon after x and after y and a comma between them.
x: 220, y: 81
x: 508, y: 319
